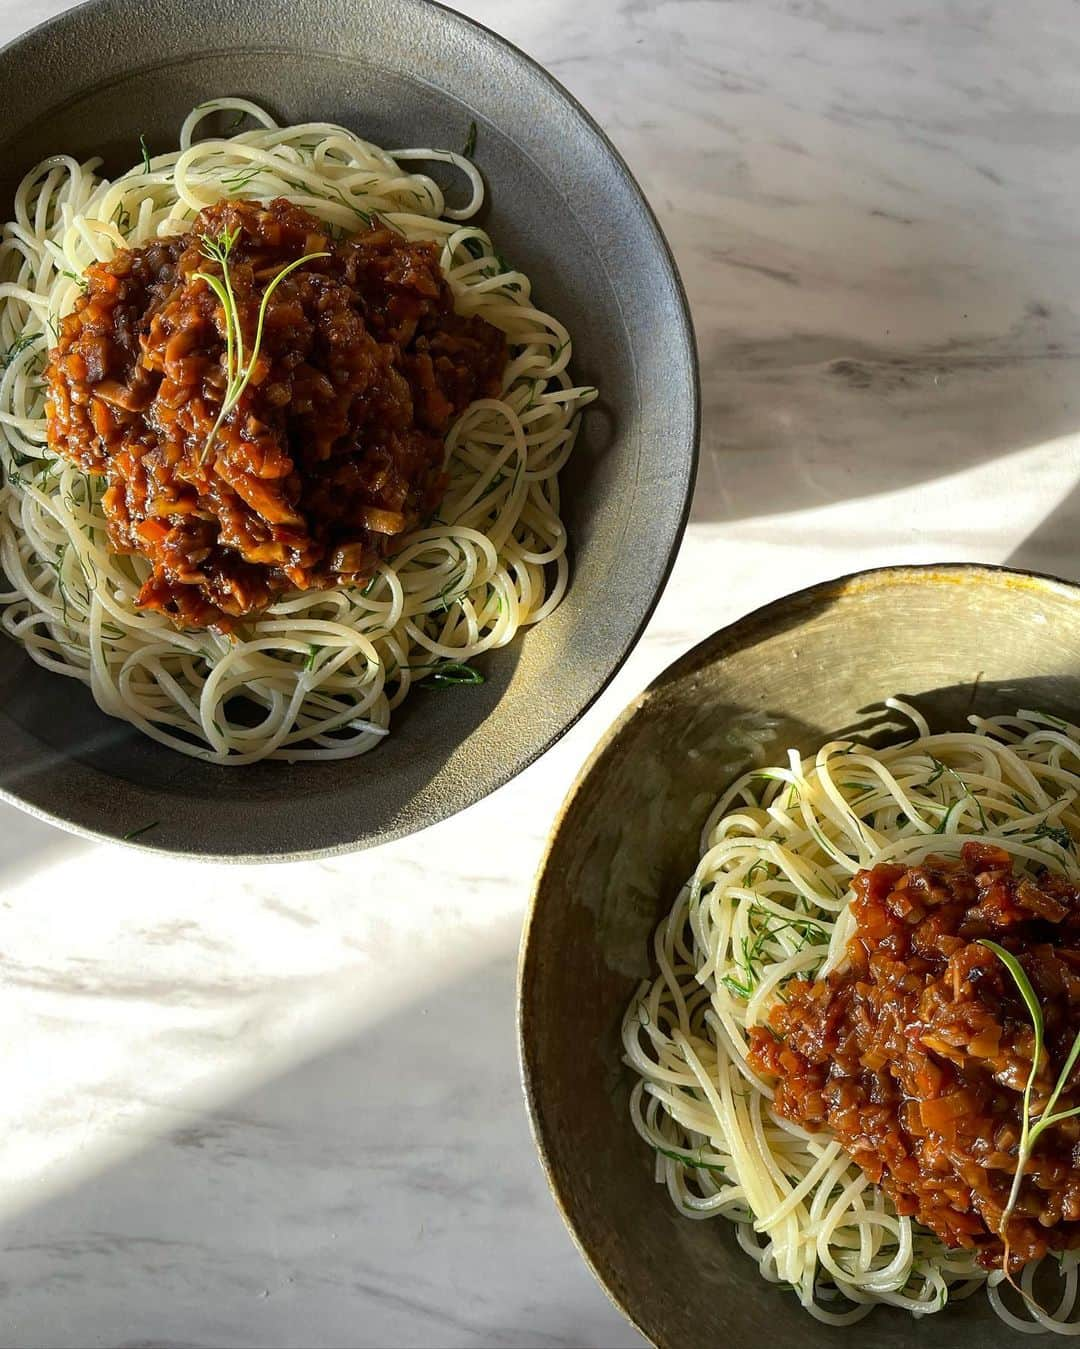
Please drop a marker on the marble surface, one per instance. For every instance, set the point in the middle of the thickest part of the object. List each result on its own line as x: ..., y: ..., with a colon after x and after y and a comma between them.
x: 280, y: 1106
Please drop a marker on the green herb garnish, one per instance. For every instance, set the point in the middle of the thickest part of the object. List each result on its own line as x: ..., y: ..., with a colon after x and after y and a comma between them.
x: 470, y: 142
x: 237, y: 179
x: 1031, y: 1129
x: 136, y: 832
x: 737, y: 989
x: 965, y: 790
x: 687, y: 1160
x: 57, y: 568
x: 145, y: 153
x: 445, y: 673
x: 446, y: 597
x: 365, y: 216
x: 17, y: 348
x: 752, y: 949
x: 456, y: 672
x: 237, y: 373
x: 1057, y: 833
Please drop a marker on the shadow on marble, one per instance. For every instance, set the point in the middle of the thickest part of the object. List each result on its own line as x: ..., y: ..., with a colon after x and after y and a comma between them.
x: 795, y: 423
x: 859, y: 335
x: 1055, y: 538
x: 384, y: 1192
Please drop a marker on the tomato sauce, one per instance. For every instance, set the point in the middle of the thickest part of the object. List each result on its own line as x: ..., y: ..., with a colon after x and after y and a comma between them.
x: 332, y: 452
x: 916, y: 1052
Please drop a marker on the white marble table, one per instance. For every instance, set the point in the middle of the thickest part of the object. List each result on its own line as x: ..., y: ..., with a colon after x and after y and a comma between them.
x: 279, y: 1106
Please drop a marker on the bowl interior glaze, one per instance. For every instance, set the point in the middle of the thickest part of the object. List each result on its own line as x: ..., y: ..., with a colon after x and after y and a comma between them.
x: 563, y: 207
x: 955, y: 640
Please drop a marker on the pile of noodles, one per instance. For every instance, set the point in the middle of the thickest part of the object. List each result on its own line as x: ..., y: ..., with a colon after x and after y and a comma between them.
x: 319, y: 673
x: 768, y: 902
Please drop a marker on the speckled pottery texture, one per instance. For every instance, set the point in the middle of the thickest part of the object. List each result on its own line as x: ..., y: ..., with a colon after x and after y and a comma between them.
x: 565, y: 208
x: 953, y: 639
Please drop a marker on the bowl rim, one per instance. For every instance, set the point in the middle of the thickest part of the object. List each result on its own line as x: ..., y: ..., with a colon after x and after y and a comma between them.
x: 712, y: 649
x: 682, y: 321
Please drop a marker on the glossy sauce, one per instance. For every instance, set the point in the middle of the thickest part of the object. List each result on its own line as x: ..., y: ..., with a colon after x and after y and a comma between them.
x: 336, y: 446
x: 915, y: 1054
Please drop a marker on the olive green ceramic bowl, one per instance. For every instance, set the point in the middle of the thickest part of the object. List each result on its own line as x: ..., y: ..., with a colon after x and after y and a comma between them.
x: 953, y: 639
x: 565, y: 208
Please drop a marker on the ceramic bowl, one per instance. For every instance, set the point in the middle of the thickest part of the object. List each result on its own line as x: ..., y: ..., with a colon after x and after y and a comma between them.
x: 565, y: 207
x: 952, y: 639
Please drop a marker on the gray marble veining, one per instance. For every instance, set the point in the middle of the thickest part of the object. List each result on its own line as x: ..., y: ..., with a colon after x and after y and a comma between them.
x: 279, y: 1106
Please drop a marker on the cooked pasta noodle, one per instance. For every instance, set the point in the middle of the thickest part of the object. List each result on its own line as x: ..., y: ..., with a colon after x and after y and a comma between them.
x: 322, y: 669
x: 769, y: 901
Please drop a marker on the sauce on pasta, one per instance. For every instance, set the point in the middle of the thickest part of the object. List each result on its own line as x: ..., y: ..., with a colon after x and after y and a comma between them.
x: 319, y: 672
x: 915, y: 1053
x: 335, y: 447
x: 828, y: 1055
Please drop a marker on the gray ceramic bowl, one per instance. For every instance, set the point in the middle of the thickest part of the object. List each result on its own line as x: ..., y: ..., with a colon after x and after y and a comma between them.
x: 564, y: 206
x: 955, y: 639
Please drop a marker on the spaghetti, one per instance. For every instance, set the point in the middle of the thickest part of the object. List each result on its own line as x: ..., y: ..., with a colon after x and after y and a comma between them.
x: 319, y: 673
x: 769, y: 902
